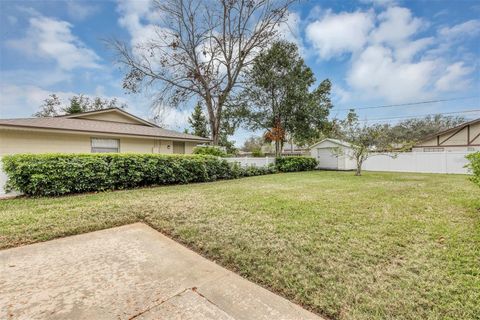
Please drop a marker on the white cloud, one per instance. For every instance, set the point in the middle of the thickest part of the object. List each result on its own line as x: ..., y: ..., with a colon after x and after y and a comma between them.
x: 336, y: 34
x: 454, y: 78
x: 171, y: 118
x: 290, y: 31
x: 396, y: 26
x: 388, y: 58
x: 52, y: 39
x: 136, y: 16
x: 81, y: 10
x: 376, y: 73
x: 24, y: 100
x: 465, y: 29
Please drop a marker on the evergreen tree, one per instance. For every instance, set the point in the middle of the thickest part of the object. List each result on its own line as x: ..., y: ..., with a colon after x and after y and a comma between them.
x: 198, y: 122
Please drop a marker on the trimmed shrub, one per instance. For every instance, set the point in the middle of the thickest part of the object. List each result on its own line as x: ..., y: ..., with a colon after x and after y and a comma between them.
x: 474, y: 166
x: 57, y: 174
x: 292, y: 164
x: 210, y: 150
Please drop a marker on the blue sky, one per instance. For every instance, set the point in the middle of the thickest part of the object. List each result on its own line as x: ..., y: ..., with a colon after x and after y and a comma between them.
x: 375, y: 52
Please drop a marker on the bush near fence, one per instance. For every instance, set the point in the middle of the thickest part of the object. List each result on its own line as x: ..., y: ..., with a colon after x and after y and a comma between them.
x: 291, y: 164
x: 474, y: 166
x: 210, y: 150
x: 58, y: 174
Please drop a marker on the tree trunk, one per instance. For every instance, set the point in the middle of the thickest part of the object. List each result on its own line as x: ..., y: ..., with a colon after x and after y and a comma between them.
x: 277, y: 148
x: 214, y: 121
x: 358, y: 172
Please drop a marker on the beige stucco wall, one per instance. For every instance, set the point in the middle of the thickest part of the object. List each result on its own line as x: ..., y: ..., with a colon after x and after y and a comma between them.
x: 18, y: 141
x: 455, y: 141
x: 13, y: 141
x: 474, y: 131
x: 189, y: 146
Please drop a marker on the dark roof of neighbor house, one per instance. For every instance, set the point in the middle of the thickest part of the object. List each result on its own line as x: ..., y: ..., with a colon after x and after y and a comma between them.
x: 64, y: 123
x: 459, y: 127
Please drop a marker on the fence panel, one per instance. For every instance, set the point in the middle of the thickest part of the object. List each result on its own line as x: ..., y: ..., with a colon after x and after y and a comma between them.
x: 426, y: 162
x: 251, y: 161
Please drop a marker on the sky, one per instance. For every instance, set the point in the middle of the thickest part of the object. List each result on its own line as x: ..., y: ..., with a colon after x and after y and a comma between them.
x: 375, y: 52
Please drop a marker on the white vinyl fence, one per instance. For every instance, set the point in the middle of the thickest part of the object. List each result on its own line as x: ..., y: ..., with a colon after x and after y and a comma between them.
x: 251, y: 161
x: 426, y: 162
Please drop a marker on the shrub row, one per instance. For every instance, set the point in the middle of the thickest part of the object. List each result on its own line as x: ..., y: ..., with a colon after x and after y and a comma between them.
x: 474, y: 166
x: 58, y: 174
x: 210, y: 150
x: 291, y: 164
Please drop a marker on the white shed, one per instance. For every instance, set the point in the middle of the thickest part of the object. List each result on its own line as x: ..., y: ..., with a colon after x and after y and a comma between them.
x: 326, y: 153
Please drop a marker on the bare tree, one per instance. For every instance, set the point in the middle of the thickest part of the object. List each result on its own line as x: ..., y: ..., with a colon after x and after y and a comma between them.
x: 201, y: 48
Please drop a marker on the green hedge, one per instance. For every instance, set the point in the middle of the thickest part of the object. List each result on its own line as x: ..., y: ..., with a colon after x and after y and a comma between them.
x: 291, y: 164
x: 58, y: 174
x: 474, y: 166
x: 210, y: 150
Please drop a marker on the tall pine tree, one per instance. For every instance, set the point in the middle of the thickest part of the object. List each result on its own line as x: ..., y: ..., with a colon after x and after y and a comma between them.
x: 198, y: 122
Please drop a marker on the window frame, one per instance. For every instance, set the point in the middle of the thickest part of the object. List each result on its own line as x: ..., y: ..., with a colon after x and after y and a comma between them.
x: 92, y: 148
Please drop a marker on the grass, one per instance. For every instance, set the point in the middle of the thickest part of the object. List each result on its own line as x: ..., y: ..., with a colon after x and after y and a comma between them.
x: 380, y: 246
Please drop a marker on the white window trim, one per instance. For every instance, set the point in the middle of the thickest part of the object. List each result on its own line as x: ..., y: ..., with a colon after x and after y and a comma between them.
x: 117, y: 149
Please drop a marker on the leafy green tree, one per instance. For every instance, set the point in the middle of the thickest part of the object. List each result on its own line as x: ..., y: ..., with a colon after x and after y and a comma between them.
x: 253, y: 143
x: 50, y: 107
x: 198, y: 122
x: 365, y: 141
x: 76, y: 105
x: 413, y: 130
x: 53, y: 106
x: 278, y: 97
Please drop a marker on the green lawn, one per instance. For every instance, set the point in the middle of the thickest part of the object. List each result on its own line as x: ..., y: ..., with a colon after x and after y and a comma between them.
x: 384, y: 245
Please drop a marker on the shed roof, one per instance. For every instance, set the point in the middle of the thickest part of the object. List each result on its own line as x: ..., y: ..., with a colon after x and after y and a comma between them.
x: 336, y: 141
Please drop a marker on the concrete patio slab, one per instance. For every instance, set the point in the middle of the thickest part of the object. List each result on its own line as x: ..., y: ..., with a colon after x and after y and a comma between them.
x: 129, y: 272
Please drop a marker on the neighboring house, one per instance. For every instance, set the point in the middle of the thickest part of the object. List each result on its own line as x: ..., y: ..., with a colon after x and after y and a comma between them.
x: 294, y: 150
x: 462, y: 138
x: 333, y: 154
x: 109, y: 130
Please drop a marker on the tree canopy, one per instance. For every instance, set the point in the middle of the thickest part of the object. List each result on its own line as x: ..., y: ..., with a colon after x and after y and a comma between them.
x: 277, y: 97
x: 198, y: 122
x: 54, y: 106
x: 200, y: 50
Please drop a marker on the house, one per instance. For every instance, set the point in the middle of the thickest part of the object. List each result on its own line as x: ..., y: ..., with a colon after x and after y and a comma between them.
x: 462, y: 138
x: 333, y: 154
x: 108, y: 130
x: 290, y: 149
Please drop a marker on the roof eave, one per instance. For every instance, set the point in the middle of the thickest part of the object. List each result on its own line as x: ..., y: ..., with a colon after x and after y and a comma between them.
x: 33, y: 128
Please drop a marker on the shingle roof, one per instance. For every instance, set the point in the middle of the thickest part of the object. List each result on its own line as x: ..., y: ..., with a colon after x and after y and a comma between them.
x: 460, y: 126
x: 97, y: 126
x: 336, y: 141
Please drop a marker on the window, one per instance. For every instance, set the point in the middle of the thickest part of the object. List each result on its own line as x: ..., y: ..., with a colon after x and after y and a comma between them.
x: 105, y: 145
x: 433, y: 149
